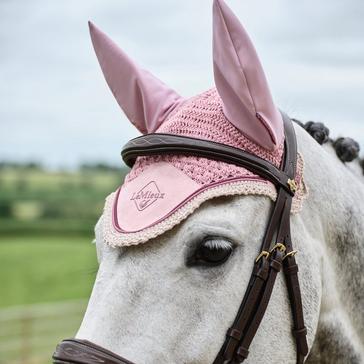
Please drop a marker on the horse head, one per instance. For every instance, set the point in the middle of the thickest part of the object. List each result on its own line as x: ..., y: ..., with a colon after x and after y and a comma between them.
x: 178, y: 242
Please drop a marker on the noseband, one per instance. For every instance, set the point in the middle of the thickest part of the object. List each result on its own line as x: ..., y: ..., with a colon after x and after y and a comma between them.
x: 276, y: 249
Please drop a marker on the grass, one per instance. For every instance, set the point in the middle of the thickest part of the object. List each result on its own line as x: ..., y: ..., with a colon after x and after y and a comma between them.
x: 55, y: 203
x: 46, y: 255
x: 45, y: 268
x: 40, y: 185
x: 64, y: 227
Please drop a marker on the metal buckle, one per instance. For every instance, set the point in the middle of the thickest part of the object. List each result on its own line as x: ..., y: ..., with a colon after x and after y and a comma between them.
x: 281, y: 247
x: 290, y: 254
x: 292, y: 185
x: 262, y: 254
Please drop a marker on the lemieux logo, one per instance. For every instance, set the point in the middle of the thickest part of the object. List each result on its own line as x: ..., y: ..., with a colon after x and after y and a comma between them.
x: 145, y: 197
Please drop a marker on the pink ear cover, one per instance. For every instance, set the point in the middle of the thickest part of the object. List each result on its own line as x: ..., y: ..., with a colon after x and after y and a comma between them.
x: 145, y: 100
x: 241, y: 82
x: 161, y: 191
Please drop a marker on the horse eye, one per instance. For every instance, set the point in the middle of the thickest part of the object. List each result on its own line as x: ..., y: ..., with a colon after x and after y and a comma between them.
x: 211, y: 252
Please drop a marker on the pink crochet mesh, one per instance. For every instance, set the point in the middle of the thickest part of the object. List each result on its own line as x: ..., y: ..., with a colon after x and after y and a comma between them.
x: 202, y: 117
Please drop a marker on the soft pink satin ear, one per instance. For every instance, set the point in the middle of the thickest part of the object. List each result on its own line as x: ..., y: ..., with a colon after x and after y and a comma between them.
x: 240, y: 81
x: 145, y: 100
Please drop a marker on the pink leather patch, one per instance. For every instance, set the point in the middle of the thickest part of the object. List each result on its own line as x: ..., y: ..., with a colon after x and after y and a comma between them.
x: 151, y: 196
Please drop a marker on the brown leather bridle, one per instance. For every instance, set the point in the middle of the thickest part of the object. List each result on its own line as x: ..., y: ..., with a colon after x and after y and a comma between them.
x: 276, y: 250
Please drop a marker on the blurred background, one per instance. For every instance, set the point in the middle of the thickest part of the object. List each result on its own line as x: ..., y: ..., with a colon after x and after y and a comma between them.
x: 61, y: 131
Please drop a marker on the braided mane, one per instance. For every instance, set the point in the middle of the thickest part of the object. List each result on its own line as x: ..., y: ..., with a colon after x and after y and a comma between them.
x: 347, y: 149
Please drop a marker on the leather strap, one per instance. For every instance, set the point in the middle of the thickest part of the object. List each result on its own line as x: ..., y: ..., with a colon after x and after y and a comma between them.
x: 161, y: 144
x: 299, y: 331
x: 236, y: 347
x: 75, y: 351
x: 275, y: 266
x: 255, y: 290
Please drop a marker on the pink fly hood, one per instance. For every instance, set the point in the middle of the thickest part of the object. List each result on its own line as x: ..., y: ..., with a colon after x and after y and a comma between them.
x: 145, y: 100
x: 241, y: 82
x: 161, y: 191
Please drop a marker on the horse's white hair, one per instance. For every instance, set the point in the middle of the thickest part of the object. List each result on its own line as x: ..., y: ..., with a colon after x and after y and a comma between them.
x: 150, y: 307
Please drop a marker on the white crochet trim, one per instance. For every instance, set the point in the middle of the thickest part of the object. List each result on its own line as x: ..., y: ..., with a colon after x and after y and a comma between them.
x: 116, y: 238
x: 303, y: 192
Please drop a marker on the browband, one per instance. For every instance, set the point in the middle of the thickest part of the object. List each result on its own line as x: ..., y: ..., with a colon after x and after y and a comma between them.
x: 161, y: 144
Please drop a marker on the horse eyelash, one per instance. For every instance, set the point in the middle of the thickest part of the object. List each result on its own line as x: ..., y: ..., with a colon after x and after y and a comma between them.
x: 217, y: 243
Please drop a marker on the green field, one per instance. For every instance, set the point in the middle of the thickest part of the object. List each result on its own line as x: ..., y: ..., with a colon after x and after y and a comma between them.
x: 47, y: 259
x: 46, y: 228
x: 45, y: 282
x: 45, y: 269
x: 37, y: 201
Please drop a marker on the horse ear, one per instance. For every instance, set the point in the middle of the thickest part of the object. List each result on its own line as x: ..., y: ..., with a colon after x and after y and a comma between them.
x: 145, y: 100
x: 240, y: 81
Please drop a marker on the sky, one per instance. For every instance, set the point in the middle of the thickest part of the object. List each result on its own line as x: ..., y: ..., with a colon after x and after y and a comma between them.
x: 55, y: 106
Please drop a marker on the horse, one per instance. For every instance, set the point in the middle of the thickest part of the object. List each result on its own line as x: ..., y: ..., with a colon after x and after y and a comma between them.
x: 170, y: 296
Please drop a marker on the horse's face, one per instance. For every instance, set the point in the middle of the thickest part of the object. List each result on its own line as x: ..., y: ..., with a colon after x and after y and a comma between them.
x: 172, y: 299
